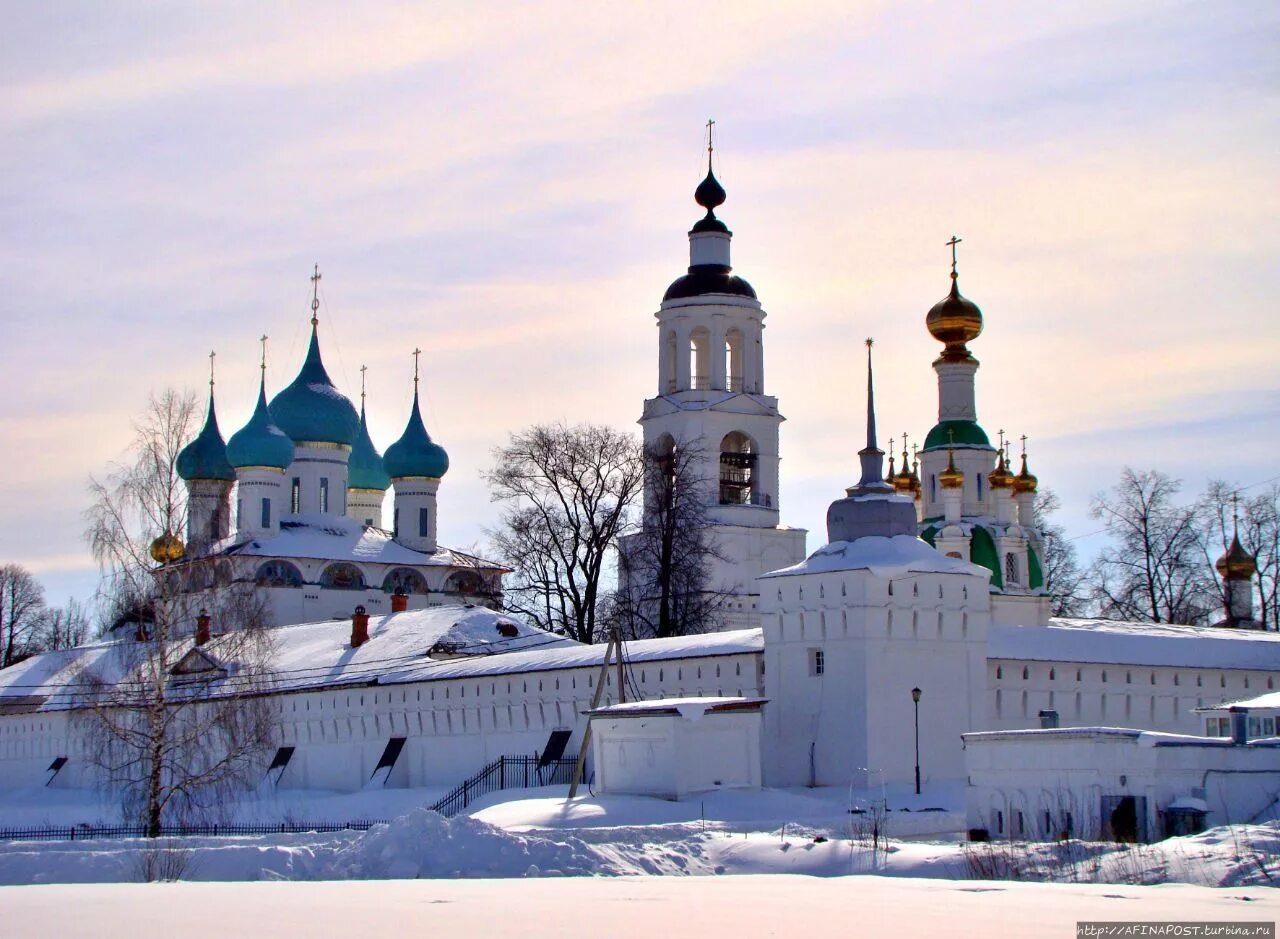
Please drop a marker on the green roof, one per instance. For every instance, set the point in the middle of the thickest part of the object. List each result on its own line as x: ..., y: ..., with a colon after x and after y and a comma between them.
x: 365, y: 469
x: 982, y: 550
x: 958, y: 433
x: 260, y: 442
x: 311, y: 408
x: 415, y: 453
x: 1035, y: 573
x: 206, y: 456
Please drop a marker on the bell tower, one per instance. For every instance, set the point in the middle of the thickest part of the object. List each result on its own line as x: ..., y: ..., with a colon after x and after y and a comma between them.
x: 712, y: 405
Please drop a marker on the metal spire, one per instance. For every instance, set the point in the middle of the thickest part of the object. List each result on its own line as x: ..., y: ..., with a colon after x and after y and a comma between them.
x: 871, y: 456
x: 315, y: 295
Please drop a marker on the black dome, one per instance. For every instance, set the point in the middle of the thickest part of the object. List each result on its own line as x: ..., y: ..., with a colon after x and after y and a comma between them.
x: 709, y: 193
x: 706, y: 279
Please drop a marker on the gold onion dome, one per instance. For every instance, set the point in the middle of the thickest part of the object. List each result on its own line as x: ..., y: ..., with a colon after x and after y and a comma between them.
x: 902, y: 481
x: 1024, y: 481
x: 951, y: 478
x: 1000, y: 477
x: 916, y: 487
x: 1237, y: 563
x: 167, y: 548
x: 954, y: 321
x: 891, y: 475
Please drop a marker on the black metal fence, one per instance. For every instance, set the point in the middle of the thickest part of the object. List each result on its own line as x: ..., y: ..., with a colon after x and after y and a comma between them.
x: 93, y: 832
x: 507, y: 772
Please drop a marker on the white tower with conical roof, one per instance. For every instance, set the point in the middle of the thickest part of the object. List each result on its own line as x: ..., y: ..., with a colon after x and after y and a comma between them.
x: 712, y: 403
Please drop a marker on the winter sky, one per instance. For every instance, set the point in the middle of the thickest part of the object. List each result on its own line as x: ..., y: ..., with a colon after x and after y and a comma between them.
x: 508, y: 186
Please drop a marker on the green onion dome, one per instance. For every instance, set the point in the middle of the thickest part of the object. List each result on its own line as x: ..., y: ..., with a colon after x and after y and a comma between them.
x: 206, y: 456
x: 415, y: 453
x: 365, y: 468
x: 311, y: 409
x: 260, y: 442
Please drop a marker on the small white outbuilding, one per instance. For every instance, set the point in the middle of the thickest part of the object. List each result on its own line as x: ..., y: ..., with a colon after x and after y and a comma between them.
x: 673, y: 747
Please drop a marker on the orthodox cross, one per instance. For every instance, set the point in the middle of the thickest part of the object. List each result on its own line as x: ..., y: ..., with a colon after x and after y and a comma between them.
x: 1024, y: 444
x: 363, y: 369
x: 416, y: 352
x: 952, y: 245
x: 263, y: 340
x: 904, y: 443
x: 315, y: 294
x: 710, y: 142
x: 1235, y: 512
x: 212, y: 356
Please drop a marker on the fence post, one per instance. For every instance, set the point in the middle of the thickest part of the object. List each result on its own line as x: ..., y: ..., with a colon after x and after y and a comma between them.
x: 502, y: 772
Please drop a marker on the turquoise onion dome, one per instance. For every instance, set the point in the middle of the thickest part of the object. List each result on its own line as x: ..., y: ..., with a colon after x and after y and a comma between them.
x: 206, y: 456
x: 312, y: 409
x: 365, y: 469
x: 415, y: 453
x: 260, y: 442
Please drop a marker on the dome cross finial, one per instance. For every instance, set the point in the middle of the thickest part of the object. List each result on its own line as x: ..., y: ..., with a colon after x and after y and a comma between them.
x: 315, y: 295
x: 416, y: 353
x: 212, y: 356
x: 711, y: 126
x: 952, y: 245
x: 263, y: 366
x: 363, y: 370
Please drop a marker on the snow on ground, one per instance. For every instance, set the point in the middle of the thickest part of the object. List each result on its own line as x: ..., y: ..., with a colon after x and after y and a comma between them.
x: 42, y: 807
x: 621, y: 908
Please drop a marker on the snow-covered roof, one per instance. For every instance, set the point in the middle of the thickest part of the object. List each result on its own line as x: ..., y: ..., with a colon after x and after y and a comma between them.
x: 688, y: 708
x: 1111, y: 642
x: 734, y: 642
x: 1263, y: 702
x: 337, y: 538
x: 434, y: 644
x: 883, y: 556
x: 1143, y: 738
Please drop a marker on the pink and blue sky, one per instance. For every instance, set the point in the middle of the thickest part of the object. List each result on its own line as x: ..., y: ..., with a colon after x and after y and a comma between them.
x: 508, y: 186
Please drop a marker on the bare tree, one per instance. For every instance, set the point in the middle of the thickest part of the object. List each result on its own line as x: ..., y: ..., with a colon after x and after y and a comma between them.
x: 665, y: 564
x: 63, y: 627
x: 21, y: 611
x: 170, y: 723
x: 567, y: 492
x: 1154, y: 570
x: 1062, y: 571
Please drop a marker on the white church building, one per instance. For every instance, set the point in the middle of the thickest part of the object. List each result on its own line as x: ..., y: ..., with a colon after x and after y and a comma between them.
x: 922, y: 619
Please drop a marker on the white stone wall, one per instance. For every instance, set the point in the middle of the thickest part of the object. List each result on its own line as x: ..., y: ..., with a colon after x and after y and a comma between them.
x: 855, y: 721
x: 1122, y: 695
x: 453, y: 727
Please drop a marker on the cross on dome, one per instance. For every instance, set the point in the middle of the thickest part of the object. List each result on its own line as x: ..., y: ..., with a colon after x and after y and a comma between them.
x: 212, y: 356
x: 952, y: 244
x: 263, y: 340
x: 315, y: 295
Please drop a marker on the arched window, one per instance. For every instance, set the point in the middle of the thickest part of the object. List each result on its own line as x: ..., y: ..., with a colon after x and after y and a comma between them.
x: 739, y: 481
x: 700, y: 358
x: 404, y: 580
x: 1011, y: 569
x: 733, y: 362
x: 669, y: 379
x: 342, y: 576
x: 278, y: 574
x: 468, y: 583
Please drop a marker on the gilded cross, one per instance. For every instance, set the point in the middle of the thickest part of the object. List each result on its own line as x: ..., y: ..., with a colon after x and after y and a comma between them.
x: 315, y: 294
x: 263, y: 340
x: 363, y: 369
x: 212, y: 356
x: 952, y: 245
x: 416, y: 352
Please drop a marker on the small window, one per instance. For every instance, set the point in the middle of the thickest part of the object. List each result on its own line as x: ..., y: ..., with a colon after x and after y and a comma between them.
x: 295, y: 496
x: 266, y: 513
x: 1026, y: 673
x: 324, y: 495
x: 817, y: 661
x: 999, y: 671
x: 423, y: 522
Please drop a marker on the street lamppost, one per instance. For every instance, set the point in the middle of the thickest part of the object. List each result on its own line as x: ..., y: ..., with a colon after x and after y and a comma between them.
x: 915, y: 699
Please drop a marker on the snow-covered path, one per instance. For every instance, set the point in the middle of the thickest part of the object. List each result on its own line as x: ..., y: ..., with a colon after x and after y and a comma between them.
x: 620, y: 908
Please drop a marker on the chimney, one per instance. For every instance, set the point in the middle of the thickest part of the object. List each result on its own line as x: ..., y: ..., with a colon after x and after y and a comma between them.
x: 1048, y: 719
x: 399, y: 602
x: 1239, y: 726
x: 202, y: 627
x: 359, y: 627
